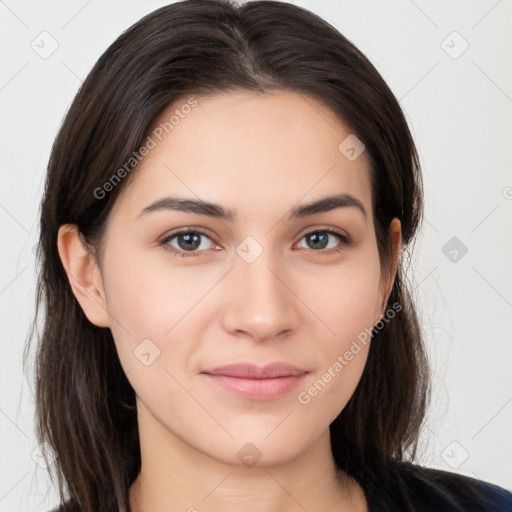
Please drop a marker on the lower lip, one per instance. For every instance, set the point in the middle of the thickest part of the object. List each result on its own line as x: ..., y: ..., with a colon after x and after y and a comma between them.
x: 257, y: 389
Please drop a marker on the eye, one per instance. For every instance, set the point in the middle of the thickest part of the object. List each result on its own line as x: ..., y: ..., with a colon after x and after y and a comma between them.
x: 319, y: 240
x: 186, y: 242
x: 191, y: 242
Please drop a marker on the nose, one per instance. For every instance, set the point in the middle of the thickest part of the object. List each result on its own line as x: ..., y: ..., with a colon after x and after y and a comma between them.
x: 260, y: 302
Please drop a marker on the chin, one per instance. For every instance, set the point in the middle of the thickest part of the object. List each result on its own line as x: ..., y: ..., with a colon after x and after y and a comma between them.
x: 256, y: 448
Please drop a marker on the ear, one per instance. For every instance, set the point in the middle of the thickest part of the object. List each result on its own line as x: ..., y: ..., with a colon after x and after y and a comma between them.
x: 83, y: 275
x: 389, y: 271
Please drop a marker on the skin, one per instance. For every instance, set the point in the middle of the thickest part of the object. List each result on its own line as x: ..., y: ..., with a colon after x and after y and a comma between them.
x: 260, y: 156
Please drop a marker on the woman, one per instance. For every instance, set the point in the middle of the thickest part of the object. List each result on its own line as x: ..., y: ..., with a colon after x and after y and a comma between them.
x: 226, y: 322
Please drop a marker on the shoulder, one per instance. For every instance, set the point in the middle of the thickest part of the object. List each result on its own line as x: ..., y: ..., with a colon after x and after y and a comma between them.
x: 420, y: 489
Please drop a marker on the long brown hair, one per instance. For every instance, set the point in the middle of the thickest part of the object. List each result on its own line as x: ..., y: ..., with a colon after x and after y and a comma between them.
x: 85, y: 406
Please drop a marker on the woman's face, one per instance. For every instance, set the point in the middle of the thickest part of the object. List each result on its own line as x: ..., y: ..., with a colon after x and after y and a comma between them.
x: 265, y: 283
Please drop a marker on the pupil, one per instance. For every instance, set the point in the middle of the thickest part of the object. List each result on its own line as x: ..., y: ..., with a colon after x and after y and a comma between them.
x: 319, y: 240
x: 191, y: 241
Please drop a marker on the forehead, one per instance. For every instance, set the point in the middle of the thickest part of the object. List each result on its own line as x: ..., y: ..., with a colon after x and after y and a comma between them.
x: 268, y: 150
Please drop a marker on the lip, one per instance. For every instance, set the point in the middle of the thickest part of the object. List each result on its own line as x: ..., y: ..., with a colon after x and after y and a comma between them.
x: 254, y: 382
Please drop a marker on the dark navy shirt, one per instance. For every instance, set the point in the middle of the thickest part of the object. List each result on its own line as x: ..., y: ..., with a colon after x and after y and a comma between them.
x: 415, y: 488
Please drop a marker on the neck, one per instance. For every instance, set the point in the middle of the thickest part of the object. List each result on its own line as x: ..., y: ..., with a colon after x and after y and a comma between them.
x: 175, y: 476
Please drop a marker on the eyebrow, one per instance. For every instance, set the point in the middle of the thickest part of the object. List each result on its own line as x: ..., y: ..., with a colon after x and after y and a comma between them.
x: 208, y: 209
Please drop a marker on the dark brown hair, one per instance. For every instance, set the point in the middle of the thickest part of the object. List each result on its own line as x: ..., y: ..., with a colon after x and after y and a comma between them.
x: 85, y: 405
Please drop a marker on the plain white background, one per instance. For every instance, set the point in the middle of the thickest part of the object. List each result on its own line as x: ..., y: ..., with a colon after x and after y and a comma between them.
x: 448, y: 63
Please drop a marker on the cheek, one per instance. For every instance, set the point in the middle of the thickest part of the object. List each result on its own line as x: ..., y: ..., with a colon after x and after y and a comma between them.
x: 145, y: 310
x: 345, y: 305
x: 136, y: 301
x: 148, y: 296
x: 344, y: 298
x: 155, y: 310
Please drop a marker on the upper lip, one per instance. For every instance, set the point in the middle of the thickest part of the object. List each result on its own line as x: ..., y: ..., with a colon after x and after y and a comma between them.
x: 253, y: 371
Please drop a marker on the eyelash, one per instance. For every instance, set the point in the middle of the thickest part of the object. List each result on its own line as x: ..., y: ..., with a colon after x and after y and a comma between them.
x: 344, y: 241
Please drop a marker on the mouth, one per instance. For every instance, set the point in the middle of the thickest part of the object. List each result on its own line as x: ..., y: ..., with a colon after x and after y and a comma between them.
x: 252, y: 382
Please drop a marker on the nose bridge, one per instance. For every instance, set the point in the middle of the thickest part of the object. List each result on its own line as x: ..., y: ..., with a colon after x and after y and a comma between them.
x: 260, y: 303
